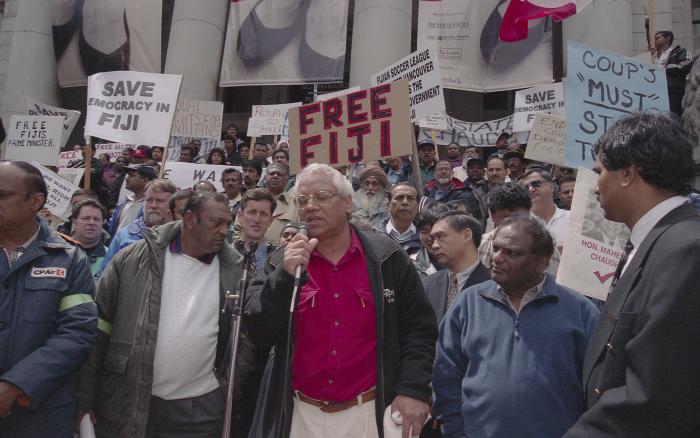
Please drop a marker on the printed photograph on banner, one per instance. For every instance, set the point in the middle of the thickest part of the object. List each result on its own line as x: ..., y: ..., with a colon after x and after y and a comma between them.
x: 65, y: 159
x: 59, y: 192
x: 72, y: 175
x: 472, y: 57
x: 197, y: 118
x: 185, y: 175
x: 547, y: 99
x: 479, y: 134
x: 34, y: 138
x: 376, y: 127
x: 547, y: 139
x: 278, y: 42
x: 105, y: 35
x: 70, y: 117
x: 602, y: 87
x: 132, y: 107
x: 421, y: 70
x: 593, y: 245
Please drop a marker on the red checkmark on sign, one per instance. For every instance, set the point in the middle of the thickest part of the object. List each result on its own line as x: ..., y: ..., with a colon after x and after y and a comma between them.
x: 603, y: 278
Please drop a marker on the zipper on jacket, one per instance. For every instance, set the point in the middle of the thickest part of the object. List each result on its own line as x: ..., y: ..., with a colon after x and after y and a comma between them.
x: 516, y: 324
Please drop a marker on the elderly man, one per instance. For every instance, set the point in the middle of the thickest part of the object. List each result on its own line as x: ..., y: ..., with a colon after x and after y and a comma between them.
x: 49, y: 319
x: 511, y: 350
x: 285, y: 211
x: 363, y: 331
x: 641, y: 369
x: 445, y: 187
x: 496, y: 174
x: 370, y: 201
x: 403, y: 207
x: 456, y: 236
x: 541, y: 189
x: 159, y: 365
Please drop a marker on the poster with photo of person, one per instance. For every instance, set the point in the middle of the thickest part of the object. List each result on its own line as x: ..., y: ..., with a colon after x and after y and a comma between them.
x: 282, y: 42
x: 93, y: 36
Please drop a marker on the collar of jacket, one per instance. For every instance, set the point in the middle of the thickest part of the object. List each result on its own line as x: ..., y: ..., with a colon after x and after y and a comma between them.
x: 456, y: 184
x: 47, y: 238
x: 549, y: 291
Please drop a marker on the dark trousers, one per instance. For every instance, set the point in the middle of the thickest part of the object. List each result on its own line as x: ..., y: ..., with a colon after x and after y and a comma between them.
x: 195, y: 417
x: 55, y: 422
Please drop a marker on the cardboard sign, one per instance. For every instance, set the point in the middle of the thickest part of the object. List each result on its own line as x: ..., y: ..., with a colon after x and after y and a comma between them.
x: 364, y: 125
x: 593, y: 245
x: 70, y: 117
x: 72, y: 175
x: 479, y: 134
x: 268, y: 119
x: 547, y: 99
x: 59, y: 192
x: 198, y: 118
x: 601, y: 88
x: 422, y: 71
x: 326, y: 96
x: 68, y: 157
x: 547, y: 139
x: 185, y: 175
x: 114, y: 150
x: 34, y: 138
x: 132, y: 107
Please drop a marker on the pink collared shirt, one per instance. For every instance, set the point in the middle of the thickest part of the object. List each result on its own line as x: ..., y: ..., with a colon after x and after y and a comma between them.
x: 335, y: 350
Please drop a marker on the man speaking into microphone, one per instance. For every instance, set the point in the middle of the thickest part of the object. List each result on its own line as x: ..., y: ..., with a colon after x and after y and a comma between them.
x: 363, y: 332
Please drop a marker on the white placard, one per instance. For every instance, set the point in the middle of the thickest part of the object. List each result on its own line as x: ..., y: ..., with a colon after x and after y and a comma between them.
x: 114, y: 150
x: 593, y: 245
x: 479, y: 134
x: 268, y: 119
x: 198, y: 118
x: 547, y: 139
x: 422, y: 71
x: 185, y: 175
x: 68, y: 157
x: 436, y: 121
x: 70, y: 117
x: 60, y: 192
x: 543, y: 99
x: 73, y: 175
x: 132, y: 107
x: 34, y: 138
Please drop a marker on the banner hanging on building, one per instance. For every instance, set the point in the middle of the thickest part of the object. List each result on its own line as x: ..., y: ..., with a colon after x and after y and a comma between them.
x: 593, y: 245
x: 547, y: 99
x: 472, y: 57
x: 479, y: 134
x: 59, y: 192
x: 365, y: 125
x: 268, y: 44
x: 34, y: 138
x: 70, y: 117
x: 132, y: 107
x: 97, y: 36
x: 198, y: 118
x: 602, y: 87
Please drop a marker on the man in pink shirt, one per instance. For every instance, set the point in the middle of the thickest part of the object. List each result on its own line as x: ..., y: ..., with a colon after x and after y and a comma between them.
x: 363, y: 332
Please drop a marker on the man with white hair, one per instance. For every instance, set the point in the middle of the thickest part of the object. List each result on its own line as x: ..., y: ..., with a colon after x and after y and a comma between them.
x: 363, y: 334
x: 370, y: 201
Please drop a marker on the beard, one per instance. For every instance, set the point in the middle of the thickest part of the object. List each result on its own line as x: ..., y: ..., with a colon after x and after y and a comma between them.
x: 367, y: 203
x: 154, y: 218
x: 444, y: 181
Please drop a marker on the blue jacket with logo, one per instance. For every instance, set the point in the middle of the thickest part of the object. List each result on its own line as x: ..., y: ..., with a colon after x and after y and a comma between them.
x: 48, y: 324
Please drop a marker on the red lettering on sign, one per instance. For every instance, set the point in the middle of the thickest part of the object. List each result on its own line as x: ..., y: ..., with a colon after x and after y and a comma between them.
x: 304, y: 153
x: 305, y: 121
x: 333, y: 148
x: 332, y: 111
x: 354, y: 116
x: 356, y: 155
x: 376, y: 101
x: 385, y: 138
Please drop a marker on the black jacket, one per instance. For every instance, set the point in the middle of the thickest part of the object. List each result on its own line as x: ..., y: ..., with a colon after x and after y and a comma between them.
x: 677, y: 68
x: 406, y: 328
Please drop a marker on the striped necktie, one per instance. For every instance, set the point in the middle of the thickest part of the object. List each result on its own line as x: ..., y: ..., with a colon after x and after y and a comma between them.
x: 452, y: 290
x: 621, y: 265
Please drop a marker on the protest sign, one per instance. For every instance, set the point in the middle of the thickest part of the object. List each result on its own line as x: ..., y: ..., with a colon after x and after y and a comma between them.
x: 326, y: 96
x: 70, y: 117
x: 72, y: 175
x: 422, y: 71
x: 365, y: 125
x: 34, y: 138
x: 207, y: 144
x: 436, y: 121
x: 601, y: 88
x: 59, y: 192
x: 198, y: 118
x: 132, y: 107
x: 268, y: 119
x: 113, y: 150
x: 543, y: 99
x: 185, y: 175
x: 547, y: 139
x: 593, y: 245
x: 68, y: 157
x: 479, y: 134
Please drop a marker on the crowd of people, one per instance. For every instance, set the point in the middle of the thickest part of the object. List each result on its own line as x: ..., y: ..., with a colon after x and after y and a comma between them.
x: 428, y: 290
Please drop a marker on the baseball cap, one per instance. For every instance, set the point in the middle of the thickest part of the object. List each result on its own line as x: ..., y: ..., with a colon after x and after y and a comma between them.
x: 475, y: 160
x: 139, y: 153
x: 514, y: 153
x: 143, y: 170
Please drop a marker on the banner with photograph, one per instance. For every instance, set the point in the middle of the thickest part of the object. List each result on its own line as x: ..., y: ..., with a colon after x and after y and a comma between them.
x: 305, y: 42
x: 34, y: 138
x: 198, y: 118
x: 132, y: 107
x: 59, y: 192
x: 472, y: 57
x: 73, y: 175
x: 70, y: 117
x: 601, y: 88
x: 479, y: 134
x: 366, y: 125
x: 97, y: 36
x: 593, y: 245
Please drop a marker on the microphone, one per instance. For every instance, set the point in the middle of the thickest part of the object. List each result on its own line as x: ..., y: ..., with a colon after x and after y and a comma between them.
x: 304, y: 231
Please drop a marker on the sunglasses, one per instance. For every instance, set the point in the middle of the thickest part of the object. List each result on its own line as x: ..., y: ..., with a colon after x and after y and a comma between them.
x: 536, y: 184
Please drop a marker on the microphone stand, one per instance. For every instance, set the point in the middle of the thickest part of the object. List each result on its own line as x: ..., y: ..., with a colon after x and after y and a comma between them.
x: 235, y: 303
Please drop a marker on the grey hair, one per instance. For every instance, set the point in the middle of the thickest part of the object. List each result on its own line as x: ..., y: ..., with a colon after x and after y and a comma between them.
x: 341, y: 184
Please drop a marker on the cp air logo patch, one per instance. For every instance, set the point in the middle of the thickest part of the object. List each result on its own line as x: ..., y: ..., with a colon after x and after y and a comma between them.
x: 48, y: 272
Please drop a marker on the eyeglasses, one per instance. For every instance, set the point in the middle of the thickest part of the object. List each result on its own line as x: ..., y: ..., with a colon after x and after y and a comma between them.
x: 322, y: 197
x: 536, y: 184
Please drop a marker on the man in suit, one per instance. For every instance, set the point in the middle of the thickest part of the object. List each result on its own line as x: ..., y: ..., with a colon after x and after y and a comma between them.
x: 640, y: 372
x: 456, y: 236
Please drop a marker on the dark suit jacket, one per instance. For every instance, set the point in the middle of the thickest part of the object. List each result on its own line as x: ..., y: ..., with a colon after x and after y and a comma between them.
x: 436, y: 285
x: 642, y: 366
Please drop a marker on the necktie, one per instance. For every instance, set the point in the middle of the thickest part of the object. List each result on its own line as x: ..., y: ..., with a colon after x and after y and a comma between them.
x: 621, y: 265
x: 452, y: 290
